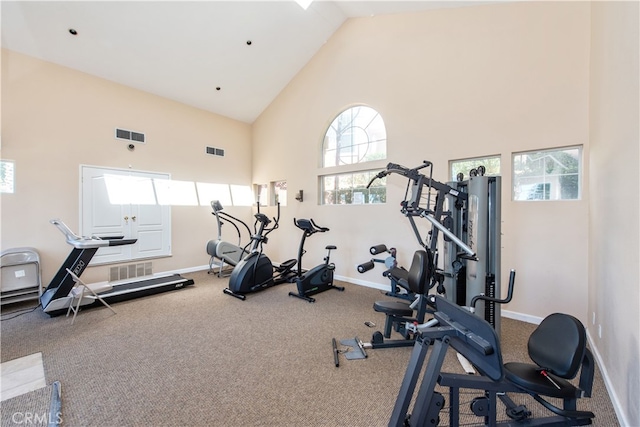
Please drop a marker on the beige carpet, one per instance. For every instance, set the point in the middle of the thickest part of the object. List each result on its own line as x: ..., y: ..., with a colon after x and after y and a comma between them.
x: 197, y: 357
x: 29, y: 409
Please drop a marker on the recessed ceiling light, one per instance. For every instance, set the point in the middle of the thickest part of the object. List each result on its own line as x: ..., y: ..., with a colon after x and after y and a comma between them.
x: 218, y: 88
x: 73, y: 32
x: 249, y: 42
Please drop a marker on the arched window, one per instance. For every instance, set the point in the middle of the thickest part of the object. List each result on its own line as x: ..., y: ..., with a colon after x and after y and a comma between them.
x: 357, y: 135
x: 355, y: 140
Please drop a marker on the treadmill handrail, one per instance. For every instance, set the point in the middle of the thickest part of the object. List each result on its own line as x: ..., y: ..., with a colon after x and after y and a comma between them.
x: 89, y: 242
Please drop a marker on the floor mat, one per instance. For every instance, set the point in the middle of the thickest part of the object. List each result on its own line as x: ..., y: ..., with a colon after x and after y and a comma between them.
x: 22, y: 375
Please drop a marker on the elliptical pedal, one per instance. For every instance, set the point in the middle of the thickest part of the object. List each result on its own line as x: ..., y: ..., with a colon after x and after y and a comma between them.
x: 233, y: 294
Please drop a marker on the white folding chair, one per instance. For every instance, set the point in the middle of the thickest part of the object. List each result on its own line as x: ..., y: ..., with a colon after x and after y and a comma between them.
x: 83, y: 291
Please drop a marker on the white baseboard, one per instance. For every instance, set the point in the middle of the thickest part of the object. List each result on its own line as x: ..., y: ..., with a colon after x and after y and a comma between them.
x: 521, y: 317
x: 615, y: 400
x: 505, y: 313
x: 190, y: 269
x: 364, y: 283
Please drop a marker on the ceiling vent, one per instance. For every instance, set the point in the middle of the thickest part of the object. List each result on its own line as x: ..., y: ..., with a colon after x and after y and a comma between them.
x: 129, y: 135
x: 215, y: 151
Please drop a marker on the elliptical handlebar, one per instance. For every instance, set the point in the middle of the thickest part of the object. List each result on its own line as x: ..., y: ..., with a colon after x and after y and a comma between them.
x: 265, y: 221
x: 217, y: 208
x: 260, y: 232
x: 260, y: 217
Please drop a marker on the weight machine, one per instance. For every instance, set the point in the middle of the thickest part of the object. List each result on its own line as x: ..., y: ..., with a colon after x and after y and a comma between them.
x: 467, y: 214
x: 557, y: 348
x: 397, y: 275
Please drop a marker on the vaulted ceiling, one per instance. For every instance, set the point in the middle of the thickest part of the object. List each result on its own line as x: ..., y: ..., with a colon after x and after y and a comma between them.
x: 228, y: 57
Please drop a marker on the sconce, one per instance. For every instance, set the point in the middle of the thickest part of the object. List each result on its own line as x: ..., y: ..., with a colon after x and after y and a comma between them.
x: 299, y: 196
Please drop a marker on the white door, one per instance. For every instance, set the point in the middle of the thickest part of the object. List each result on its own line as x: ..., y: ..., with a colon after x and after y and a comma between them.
x: 106, y: 211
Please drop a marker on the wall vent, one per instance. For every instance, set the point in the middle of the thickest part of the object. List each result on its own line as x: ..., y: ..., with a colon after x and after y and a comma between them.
x: 130, y: 271
x: 129, y: 135
x: 215, y: 151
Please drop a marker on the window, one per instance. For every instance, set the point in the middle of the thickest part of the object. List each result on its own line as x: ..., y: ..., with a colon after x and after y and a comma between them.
x: 491, y: 165
x: 7, y: 174
x: 547, y: 174
x: 355, y: 138
x: 263, y: 195
x: 357, y: 135
x: 351, y: 189
x: 241, y: 195
x: 280, y: 192
x: 207, y: 192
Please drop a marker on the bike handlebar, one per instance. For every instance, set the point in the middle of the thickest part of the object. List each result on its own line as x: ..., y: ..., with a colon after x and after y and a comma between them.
x: 309, y: 226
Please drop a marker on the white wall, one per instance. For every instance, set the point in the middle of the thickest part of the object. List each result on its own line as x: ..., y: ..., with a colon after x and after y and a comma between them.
x: 55, y: 119
x: 449, y: 84
x: 614, y: 209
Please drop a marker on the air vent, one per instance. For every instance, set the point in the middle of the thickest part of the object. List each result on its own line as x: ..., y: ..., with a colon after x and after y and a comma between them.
x: 215, y: 151
x: 129, y: 135
x: 130, y: 271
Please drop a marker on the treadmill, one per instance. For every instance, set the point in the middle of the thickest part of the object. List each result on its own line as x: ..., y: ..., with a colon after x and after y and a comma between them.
x: 55, y: 300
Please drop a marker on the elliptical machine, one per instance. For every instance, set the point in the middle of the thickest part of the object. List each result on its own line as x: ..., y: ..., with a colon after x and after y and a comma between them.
x: 320, y: 277
x: 255, y: 272
x: 221, y: 250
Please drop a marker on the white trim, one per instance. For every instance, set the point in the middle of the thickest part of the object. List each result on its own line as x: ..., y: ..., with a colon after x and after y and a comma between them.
x: 364, y: 283
x: 190, y: 269
x: 521, y: 317
x: 615, y: 400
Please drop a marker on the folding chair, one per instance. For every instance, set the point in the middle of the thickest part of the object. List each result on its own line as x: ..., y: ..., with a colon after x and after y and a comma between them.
x: 83, y: 291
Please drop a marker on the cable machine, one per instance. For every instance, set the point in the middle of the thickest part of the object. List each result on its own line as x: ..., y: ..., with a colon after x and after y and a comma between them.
x: 467, y: 214
x: 476, y: 223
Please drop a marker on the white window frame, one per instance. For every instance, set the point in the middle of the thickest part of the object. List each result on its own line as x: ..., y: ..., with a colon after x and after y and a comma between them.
x: 356, y: 197
x: 549, y: 184
x: 362, y: 166
x: 475, y: 162
x: 8, y: 183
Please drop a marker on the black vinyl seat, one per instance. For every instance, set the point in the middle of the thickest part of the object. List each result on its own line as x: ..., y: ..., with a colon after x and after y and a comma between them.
x: 394, y: 308
x: 558, y: 347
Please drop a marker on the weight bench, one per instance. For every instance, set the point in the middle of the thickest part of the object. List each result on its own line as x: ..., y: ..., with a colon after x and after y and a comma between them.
x: 557, y: 347
x: 398, y: 311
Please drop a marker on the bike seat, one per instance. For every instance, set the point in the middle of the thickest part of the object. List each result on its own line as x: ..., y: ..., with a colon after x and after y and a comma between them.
x: 330, y: 247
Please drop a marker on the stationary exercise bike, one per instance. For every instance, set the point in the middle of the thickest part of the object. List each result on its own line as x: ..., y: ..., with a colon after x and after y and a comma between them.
x: 319, y: 278
x: 255, y: 272
x: 221, y: 250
